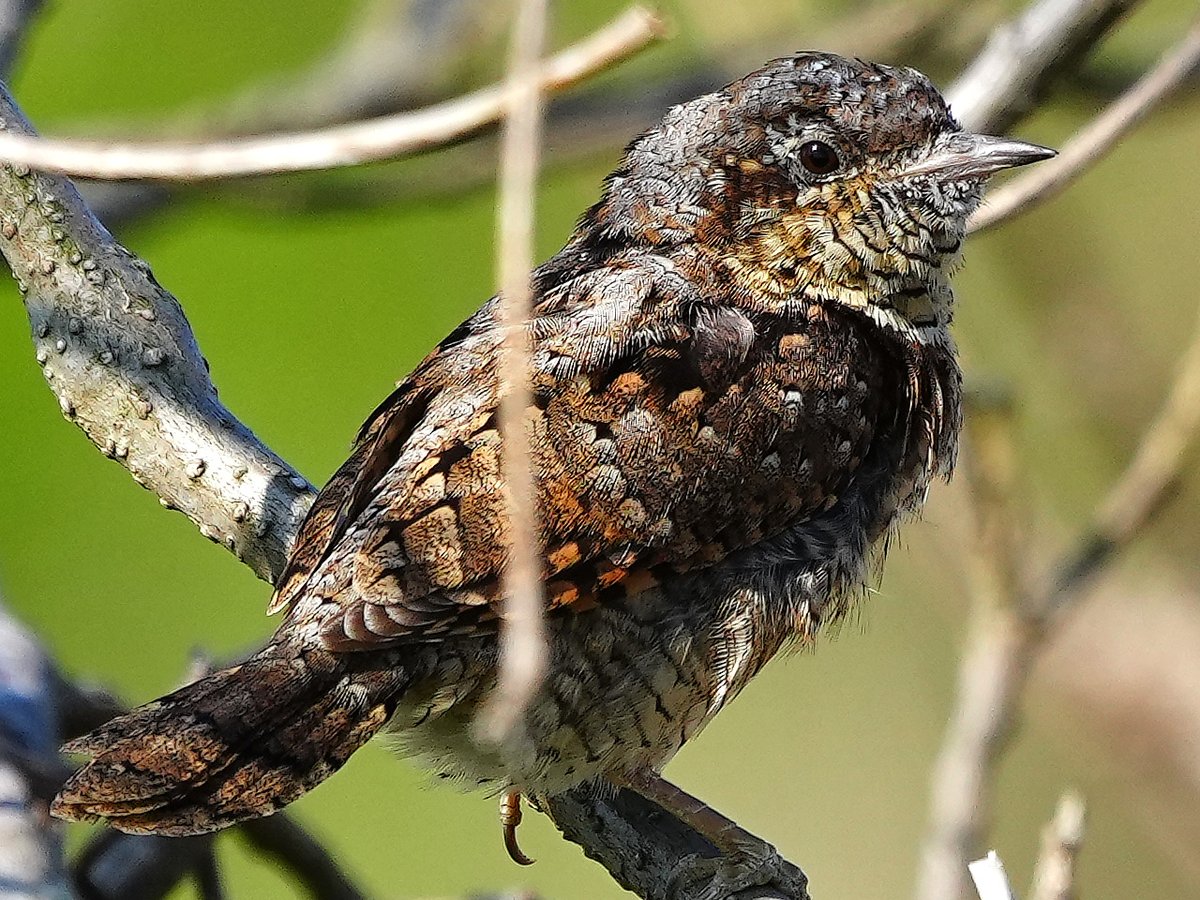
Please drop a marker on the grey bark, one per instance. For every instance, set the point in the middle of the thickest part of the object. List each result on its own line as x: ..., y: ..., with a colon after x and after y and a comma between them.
x: 120, y: 356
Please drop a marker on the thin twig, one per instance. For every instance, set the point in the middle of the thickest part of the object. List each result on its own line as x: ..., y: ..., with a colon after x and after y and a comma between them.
x: 1094, y: 140
x: 991, y: 881
x: 1022, y: 57
x: 1009, y: 628
x: 383, y: 138
x: 522, y: 640
x: 1054, y: 875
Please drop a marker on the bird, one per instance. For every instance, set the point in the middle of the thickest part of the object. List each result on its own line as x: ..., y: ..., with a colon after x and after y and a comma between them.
x: 742, y: 382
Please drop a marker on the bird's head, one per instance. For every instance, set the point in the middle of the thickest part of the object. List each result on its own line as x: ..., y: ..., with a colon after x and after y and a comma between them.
x: 815, y: 176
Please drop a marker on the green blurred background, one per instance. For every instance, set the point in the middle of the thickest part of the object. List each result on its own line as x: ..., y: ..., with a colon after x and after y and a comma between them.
x: 312, y: 296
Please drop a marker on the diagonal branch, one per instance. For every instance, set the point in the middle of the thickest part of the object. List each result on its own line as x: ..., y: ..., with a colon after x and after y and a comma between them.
x: 373, y: 140
x: 1096, y: 139
x: 1023, y: 57
x: 119, y: 354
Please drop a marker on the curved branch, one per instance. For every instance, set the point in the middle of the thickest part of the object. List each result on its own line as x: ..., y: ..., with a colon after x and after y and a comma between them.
x: 120, y: 355
x: 383, y: 138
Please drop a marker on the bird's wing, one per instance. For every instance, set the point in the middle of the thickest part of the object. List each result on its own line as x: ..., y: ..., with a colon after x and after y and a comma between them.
x: 665, y: 434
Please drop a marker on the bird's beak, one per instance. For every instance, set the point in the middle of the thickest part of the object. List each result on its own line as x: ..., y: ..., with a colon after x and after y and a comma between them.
x: 963, y: 155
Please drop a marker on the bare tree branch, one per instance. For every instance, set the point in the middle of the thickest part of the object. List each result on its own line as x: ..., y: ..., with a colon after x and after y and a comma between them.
x: 118, y: 352
x: 1054, y: 877
x: 1024, y: 56
x: 394, y: 55
x: 1095, y: 140
x: 386, y: 137
x: 641, y: 845
x: 1011, y: 619
x: 15, y: 18
x: 522, y: 639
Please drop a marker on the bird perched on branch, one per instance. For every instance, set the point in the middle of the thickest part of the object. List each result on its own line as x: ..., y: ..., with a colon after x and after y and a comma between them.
x: 743, y: 379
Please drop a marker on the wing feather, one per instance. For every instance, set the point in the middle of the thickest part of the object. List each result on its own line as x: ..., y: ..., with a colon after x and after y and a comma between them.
x: 666, y: 434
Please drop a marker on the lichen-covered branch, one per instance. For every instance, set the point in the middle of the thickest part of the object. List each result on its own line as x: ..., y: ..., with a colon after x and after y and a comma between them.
x: 120, y: 356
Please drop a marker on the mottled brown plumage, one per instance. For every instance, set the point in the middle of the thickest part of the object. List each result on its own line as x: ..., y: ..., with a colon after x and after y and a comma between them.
x: 742, y: 379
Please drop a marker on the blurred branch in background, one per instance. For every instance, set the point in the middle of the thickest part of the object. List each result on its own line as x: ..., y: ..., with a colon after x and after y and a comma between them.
x: 15, y: 18
x: 373, y: 140
x: 1024, y: 57
x: 31, y: 864
x: 1012, y: 615
x: 1093, y: 141
x: 1054, y: 876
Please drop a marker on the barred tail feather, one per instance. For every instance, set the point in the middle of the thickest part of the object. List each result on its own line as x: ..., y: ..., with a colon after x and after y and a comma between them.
x: 238, y: 744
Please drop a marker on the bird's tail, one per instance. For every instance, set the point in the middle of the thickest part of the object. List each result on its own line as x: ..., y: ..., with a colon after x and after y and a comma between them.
x: 238, y: 744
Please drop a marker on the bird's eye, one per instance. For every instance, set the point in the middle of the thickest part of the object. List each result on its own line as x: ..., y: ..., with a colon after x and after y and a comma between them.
x: 819, y: 158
